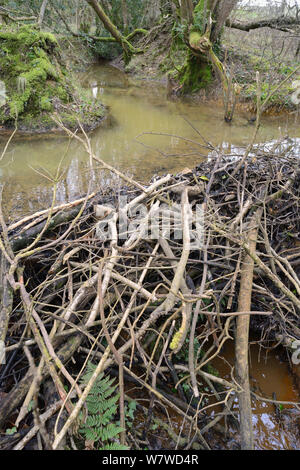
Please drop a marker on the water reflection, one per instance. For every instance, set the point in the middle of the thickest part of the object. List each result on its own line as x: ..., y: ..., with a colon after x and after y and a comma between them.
x: 268, y: 375
x: 94, y: 90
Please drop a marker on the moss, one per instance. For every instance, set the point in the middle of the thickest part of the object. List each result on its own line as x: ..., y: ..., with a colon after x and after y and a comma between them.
x: 195, y: 74
x: 46, y: 104
x: 27, y: 36
x: 62, y: 93
x: 36, y: 82
x: 176, y: 340
x: 195, y: 37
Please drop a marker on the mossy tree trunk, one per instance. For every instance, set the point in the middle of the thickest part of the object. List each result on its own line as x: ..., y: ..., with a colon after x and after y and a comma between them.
x: 204, y: 23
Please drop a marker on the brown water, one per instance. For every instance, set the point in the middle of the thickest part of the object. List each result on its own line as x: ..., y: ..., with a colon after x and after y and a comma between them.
x: 268, y: 374
x: 136, y: 107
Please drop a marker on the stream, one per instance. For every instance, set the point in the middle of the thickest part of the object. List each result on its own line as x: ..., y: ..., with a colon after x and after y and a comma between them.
x: 135, y: 107
x: 138, y: 107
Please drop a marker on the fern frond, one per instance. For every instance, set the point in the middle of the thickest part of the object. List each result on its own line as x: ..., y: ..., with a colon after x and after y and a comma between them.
x: 102, y: 407
x: 110, y: 402
x: 89, y: 434
x: 110, y: 431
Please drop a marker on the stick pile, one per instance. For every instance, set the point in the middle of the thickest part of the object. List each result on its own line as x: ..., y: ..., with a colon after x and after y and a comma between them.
x: 137, y: 303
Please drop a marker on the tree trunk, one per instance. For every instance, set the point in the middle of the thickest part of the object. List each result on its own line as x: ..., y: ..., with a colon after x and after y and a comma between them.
x: 42, y: 12
x: 186, y: 10
x: 242, y: 337
x: 221, y: 13
x: 208, y: 19
x: 109, y: 26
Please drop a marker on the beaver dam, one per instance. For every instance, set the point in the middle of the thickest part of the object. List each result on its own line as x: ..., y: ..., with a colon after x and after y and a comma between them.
x: 136, y: 107
x: 117, y: 308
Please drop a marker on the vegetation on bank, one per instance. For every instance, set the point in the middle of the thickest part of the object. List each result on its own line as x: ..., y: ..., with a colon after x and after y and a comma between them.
x: 37, y: 83
x: 180, y: 310
x: 187, y: 42
x: 80, y: 305
x: 242, y: 60
x: 270, y: 54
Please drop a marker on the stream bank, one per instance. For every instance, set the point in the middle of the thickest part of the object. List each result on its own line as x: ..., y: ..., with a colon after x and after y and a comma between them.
x: 35, y: 84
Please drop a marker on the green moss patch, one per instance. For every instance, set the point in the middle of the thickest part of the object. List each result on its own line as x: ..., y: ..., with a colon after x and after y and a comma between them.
x: 37, y: 83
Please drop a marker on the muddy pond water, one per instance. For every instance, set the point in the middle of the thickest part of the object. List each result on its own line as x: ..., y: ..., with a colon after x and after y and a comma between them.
x: 147, y: 134
x: 269, y: 378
